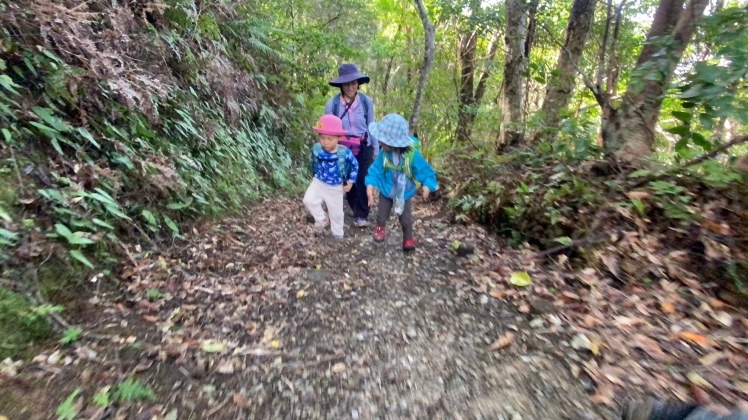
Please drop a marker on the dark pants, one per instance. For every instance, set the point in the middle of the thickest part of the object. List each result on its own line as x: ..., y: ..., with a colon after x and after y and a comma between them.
x: 357, y: 199
x: 406, y: 219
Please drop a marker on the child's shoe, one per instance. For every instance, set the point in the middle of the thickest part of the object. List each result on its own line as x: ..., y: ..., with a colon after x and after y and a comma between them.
x: 379, y: 233
x: 361, y: 222
x: 320, y: 227
x: 409, y: 244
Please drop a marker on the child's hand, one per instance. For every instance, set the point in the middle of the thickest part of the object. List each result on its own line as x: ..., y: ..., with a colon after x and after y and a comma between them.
x: 347, y: 187
x: 426, y: 192
x: 370, y: 195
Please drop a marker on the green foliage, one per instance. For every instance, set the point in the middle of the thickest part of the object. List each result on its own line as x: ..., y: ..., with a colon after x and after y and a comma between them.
x: 101, y: 399
x: 132, y: 390
x: 153, y: 294
x: 711, y: 92
x: 21, y: 323
x: 67, y: 410
x: 71, y: 335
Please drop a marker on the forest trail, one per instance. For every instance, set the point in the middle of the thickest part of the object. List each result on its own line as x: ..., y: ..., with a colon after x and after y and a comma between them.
x: 259, y: 318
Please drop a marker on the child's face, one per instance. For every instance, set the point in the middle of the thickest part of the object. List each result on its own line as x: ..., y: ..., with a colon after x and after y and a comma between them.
x: 329, y: 143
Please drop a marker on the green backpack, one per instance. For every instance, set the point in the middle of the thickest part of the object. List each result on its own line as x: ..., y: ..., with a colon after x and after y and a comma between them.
x: 343, y: 164
x: 406, y: 166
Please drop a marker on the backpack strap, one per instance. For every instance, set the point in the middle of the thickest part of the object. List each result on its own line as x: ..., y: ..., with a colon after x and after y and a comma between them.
x: 364, y: 102
x: 335, y: 104
x: 405, y: 167
x: 343, y: 162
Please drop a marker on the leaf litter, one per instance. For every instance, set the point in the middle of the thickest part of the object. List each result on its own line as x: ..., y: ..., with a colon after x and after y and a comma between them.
x: 257, y: 303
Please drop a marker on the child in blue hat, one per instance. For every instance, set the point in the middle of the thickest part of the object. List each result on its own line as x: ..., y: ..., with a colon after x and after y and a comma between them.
x: 394, y: 173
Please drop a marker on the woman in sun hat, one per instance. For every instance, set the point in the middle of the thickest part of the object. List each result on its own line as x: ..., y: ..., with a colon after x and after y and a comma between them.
x: 356, y: 110
x: 394, y: 173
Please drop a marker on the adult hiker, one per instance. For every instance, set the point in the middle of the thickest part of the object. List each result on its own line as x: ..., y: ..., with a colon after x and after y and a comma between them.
x: 356, y: 110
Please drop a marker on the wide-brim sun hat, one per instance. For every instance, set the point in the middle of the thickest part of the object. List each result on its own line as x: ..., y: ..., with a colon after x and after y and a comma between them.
x: 330, y: 125
x: 391, y: 130
x: 347, y: 73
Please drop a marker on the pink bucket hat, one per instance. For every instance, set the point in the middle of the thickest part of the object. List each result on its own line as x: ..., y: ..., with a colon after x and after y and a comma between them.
x: 330, y: 125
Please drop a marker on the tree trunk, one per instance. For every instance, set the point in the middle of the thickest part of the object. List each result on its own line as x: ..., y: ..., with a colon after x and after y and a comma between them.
x: 560, y: 89
x: 388, y: 76
x: 468, y: 45
x: 628, y: 131
x: 428, y: 59
x: 513, y: 83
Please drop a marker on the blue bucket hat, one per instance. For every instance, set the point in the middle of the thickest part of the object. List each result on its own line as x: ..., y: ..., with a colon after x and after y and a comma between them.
x: 391, y: 130
x: 347, y: 73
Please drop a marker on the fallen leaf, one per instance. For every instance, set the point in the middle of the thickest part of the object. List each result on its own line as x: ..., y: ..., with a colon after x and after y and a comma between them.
x: 649, y: 346
x: 723, y: 317
x: 226, y: 367
x: 668, y: 307
x: 741, y: 386
x: 520, y: 278
x: 240, y: 400
x: 696, y: 338
x: 524, y: 308
x: 210, y: 346
x: 338, y: 368
x: 504, y: 341
x: 172, y: 415
x: 604, y: 395
x: 497, y: 293
x: 85, y: 353
x: 611, y: 261
x: 711, y: 358
x: 637, y: 195
x: 588, y: 276
x: 697, y: 380
x: 300, y: 294
x: 275, y: 344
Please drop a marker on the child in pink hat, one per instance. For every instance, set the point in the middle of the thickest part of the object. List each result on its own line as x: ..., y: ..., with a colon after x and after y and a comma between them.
x: 335, y: 171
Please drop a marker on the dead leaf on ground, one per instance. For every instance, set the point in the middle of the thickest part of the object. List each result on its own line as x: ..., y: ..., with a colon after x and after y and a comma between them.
x: 504, y: 341
x: 240, y: 400
x: 338, y: 368
x: 649, y: 346
x: 604, y: 395
x: 696, y: 338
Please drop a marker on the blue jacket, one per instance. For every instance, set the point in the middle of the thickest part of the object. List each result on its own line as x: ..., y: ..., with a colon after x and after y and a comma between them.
x: 384, y: 179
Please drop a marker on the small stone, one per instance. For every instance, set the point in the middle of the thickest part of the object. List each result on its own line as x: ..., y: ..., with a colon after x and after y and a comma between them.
x: 537, y: 323
x: 483, y: 299
x: 464, y: 250
x: 412, y: 333
x: 539, y: 306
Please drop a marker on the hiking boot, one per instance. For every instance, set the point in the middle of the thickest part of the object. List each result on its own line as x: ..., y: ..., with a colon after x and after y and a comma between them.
x: 379, y: 233
x: 320, y: 227
x: 650, y: 410
x: 361, y: 222
x: 409, y: 244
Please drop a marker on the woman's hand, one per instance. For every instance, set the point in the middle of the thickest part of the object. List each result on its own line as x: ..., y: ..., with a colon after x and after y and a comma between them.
x: 347, y: 187
x: 370, y: 195
x: 426, y: 192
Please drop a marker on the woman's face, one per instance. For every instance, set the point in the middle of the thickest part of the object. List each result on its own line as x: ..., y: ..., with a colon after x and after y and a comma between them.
x: 350, y: 88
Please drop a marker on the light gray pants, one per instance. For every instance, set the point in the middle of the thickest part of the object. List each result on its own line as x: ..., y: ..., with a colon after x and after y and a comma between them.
x: 332, y: 195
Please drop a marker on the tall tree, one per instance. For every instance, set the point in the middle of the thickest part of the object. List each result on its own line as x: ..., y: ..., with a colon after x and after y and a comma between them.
x: 559, y: 91
x: 515, y: 64
x: 628, y: 131
x: 471, y: 96
x: 428, y: 59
